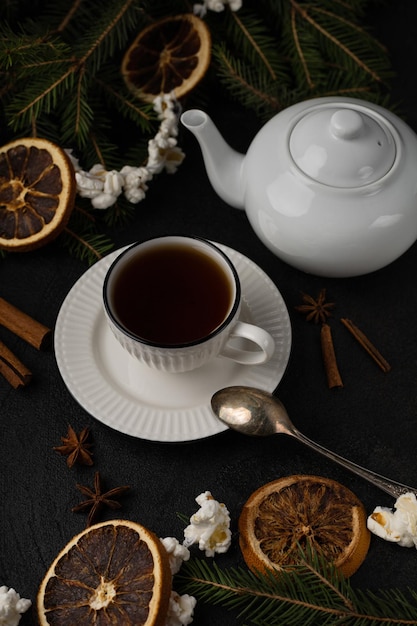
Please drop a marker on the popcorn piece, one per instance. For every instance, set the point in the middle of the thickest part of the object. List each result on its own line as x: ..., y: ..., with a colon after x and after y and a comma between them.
x: 168, y: 158
x: 399, y: 525
x: 134, y: 176
x: 101, y: 186
x: 103, y: 200
x: 11, y: 606
x: 113, y: 183
x: 210, y: 526
x: 215, y: 5
x: 88, y: 186
x: 181, y: 609
x: 73, y: 159
x: 135, y: 179
x: 177, y: 553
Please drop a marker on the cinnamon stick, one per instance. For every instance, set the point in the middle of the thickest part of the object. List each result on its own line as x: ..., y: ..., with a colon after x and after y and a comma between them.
x: 24, y: 326
x: 12, y: 369
x: 367, y: 345
x: 329, y: 358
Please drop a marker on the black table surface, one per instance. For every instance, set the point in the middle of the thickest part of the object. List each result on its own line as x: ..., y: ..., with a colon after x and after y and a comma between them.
x: 371, y: 420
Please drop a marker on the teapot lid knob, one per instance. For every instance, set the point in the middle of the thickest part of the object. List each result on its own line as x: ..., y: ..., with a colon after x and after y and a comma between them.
x: 346, y: 124
x: 342, y: 146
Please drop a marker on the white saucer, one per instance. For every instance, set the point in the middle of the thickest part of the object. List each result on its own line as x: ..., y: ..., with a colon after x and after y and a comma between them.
x: 133, y: 399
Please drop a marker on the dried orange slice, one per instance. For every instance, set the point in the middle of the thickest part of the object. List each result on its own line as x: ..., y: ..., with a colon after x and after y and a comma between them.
x: 170, y: 55
x: 306, y: 511
x: 37, y: 193
x: 113, y: 573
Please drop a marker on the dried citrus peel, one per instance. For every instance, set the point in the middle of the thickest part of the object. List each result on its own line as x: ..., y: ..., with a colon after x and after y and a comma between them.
x: 37, y: 193
x: 306, y: 511
x: 113, y: 573
x: 170, y: 55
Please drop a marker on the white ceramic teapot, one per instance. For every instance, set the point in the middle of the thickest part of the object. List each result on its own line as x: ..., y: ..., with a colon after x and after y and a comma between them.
x: 329, y: 184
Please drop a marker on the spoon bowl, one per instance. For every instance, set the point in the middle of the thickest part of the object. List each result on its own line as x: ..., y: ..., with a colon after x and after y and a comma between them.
x: 258, y: 413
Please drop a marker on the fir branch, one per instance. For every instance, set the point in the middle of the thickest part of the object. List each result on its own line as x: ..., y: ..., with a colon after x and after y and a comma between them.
x: 81, y: 237
x: 313, y: 48
x: 77, y: 114
x: 119, y: 213
x: 87, y: 246
x: 310, y: 592
x: 258, y: 47
x: 299, y: 49
x: 51, y: 88
x: 23, y: 51
x: 128, y: 106
x: 355, y: 28
x: 47, y: 71
x: 298, y: 9
x: 244, y: 83
x: 67, y: 18
x: 97, y: 44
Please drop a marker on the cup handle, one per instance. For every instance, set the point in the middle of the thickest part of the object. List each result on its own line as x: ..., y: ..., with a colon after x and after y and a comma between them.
x: 256, y: 335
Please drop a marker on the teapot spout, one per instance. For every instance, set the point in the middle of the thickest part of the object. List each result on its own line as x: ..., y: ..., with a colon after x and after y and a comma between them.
x: 223, y: 164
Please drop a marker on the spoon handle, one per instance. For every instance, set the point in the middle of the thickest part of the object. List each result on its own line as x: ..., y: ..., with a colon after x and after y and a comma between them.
x: 389, y: 486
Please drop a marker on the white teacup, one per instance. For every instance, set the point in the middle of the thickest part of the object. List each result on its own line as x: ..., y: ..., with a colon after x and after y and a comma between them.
x: 173, y: 303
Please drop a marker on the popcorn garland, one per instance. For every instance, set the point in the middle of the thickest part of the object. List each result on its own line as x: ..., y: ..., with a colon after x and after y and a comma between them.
x: 103, y: 187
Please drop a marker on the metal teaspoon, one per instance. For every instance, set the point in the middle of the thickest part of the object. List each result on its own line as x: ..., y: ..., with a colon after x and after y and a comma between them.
x: 258, y: 413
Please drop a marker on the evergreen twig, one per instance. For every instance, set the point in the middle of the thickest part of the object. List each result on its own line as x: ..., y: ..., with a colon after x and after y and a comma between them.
x: 89, y: 247
x: 287, y: 51
x: 308, y: 593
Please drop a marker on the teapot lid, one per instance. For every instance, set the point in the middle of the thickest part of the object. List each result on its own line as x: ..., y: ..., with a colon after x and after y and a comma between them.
x: 342, y: 146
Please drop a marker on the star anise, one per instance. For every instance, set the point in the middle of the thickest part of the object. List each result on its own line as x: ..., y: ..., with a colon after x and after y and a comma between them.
x: 316, y: 310
x: 76, y: 447
x: 97, y: 500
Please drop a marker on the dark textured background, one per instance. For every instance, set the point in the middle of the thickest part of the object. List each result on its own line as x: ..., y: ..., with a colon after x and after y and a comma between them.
x: 372, y: 419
